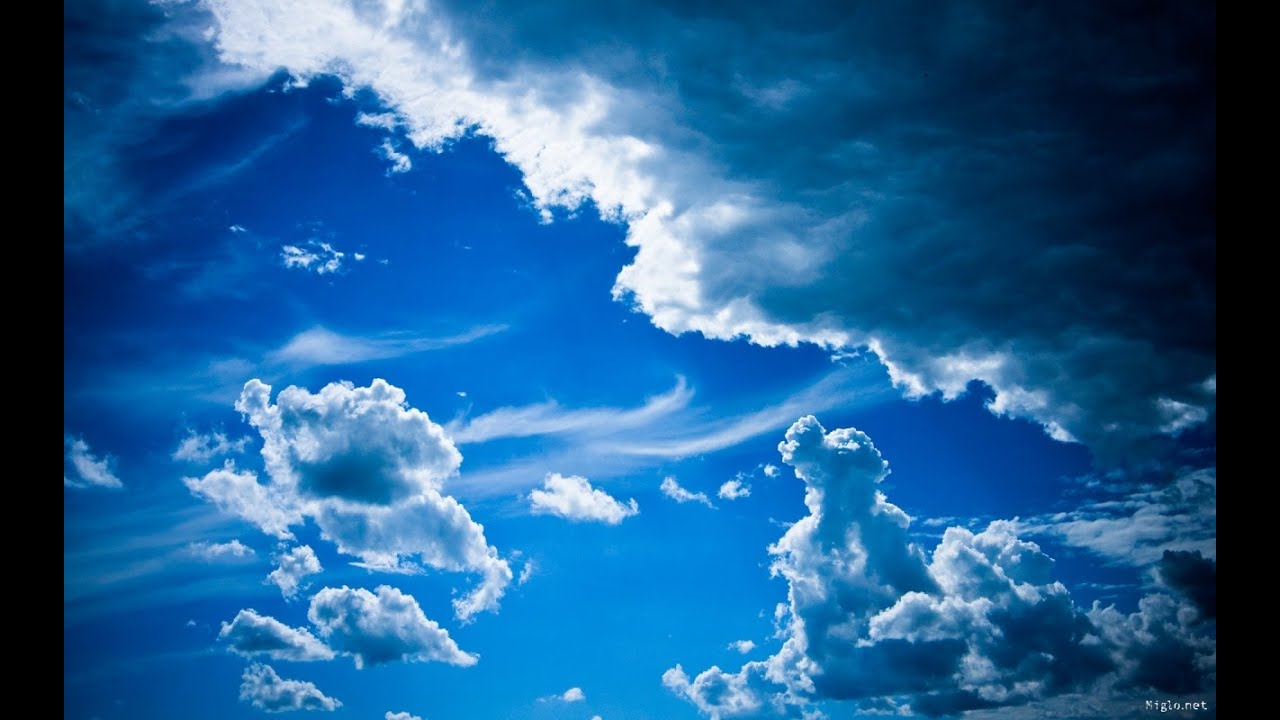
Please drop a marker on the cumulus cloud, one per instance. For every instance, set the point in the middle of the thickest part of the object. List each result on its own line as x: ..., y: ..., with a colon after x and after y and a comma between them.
x: 292, y: 567
x: 771, y: 471
x: 88, y: 470
x: 199, y: 447
x: 240, y: 494
x: 251, y: 634
x: 573, y: 498
x: 672, y: 489
x: 381, y: 627
x: 734, y: 490
x: 742, y: 646
x: 1098, y: 322
x: 261, y: 686
x: 220, y: 552
x: 399, y: 716
x: 369, y: 471
x: 979, y: 622
x: 315, y: 256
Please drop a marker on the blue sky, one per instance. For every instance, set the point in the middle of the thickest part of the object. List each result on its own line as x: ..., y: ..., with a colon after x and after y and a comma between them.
x: 576, y: 360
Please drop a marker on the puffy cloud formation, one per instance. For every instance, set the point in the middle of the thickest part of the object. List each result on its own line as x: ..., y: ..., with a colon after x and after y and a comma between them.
x: 572, y: 695
x: 978, y: 623
x: 88, y: 470
x: 733, y: 490
x: 672, y: 489
x: 220, y: 552
x: 399, y: 716
x: 742, y: 646
x: 267, y: 691
x: 318, y: 257
x: 388, y: 626
x: 250, y: 634
x: 369, y: 471
x: 838, y: 158
x: 293, y: 566
x: 1193, y: 575
x: 573, y: 498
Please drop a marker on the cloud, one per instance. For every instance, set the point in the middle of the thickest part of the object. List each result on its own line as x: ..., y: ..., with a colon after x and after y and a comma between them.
x: 1136, y: 528
x: 220, y: 552
x: 527, y: 572
x: 742, y: 646
x: 318, y: 257
x: 198, y: 448
x: 980, y: 622
x: 292, y: 567
x: 251, y: 634
x: 369, y: 470
x: 319, y: 346
x: 1098, y: 322
x: 572, y: 695
x: 89, y: 471
x: 770, y: 471
x: 1192, y: 575
x: 261, y: 686
x: 734, y: 490
x: 672, y: 489
x: 399, y: 716
x: 240, y: 494
x: 385, y: 627
x: 573, y: 498
x: 400, y: 163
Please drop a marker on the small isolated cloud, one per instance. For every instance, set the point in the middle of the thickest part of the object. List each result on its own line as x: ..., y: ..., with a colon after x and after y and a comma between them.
x: 315, y: 256
x: 716, y: 693
x: 399, y: 716
x: 237, y: 229
x: 771, y: 471
x: 573, y: 498
x: 526, y: 572
x: 321, y: 346
x: 220, y: 552
x: 261, y: 686
x: 198, y: 447
x: 400, y: 162
x: 251, y: 634
x: 573, y: 694
x: 734, y: 489
x: 742, y: 646
x: 89, y: 470
x: 385, y: 627
x: 672, y: 489
x: 292, y: 567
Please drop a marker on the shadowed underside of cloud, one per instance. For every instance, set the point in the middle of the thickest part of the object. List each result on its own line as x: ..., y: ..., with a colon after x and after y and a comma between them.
x: 250, y: 634
x: 261, y: 686
x: 1022, y: 196
x: 369, y: 471
x: 980, y: 623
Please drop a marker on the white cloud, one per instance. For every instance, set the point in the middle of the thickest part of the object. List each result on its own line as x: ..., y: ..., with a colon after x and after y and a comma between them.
x: 318, y: 257
x: 368, y: 469
x: 1136, y: 528
x: 319, y: 346
x: 292, y: 567
x: 729, y: 246
x: 672, y: 489
x: 261, y: 686
x: 388, y: 626
x: 219, y: 552
x: 771, y: 471
x: 400, y: 163
x: 197, y: 447
x: 240, y: 494
x: 734, y: 490
x: 742, y: 646
x: 573, y: 498
x: 399, y: 716
x: 237, y: 229
x: 89, y: 471
x: 573, y: 694
x: 981, y: 623
x: 527, y: 572
x: 251, y: 634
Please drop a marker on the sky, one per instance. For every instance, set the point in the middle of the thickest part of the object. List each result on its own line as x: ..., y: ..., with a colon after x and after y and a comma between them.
x: 621, y: 361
